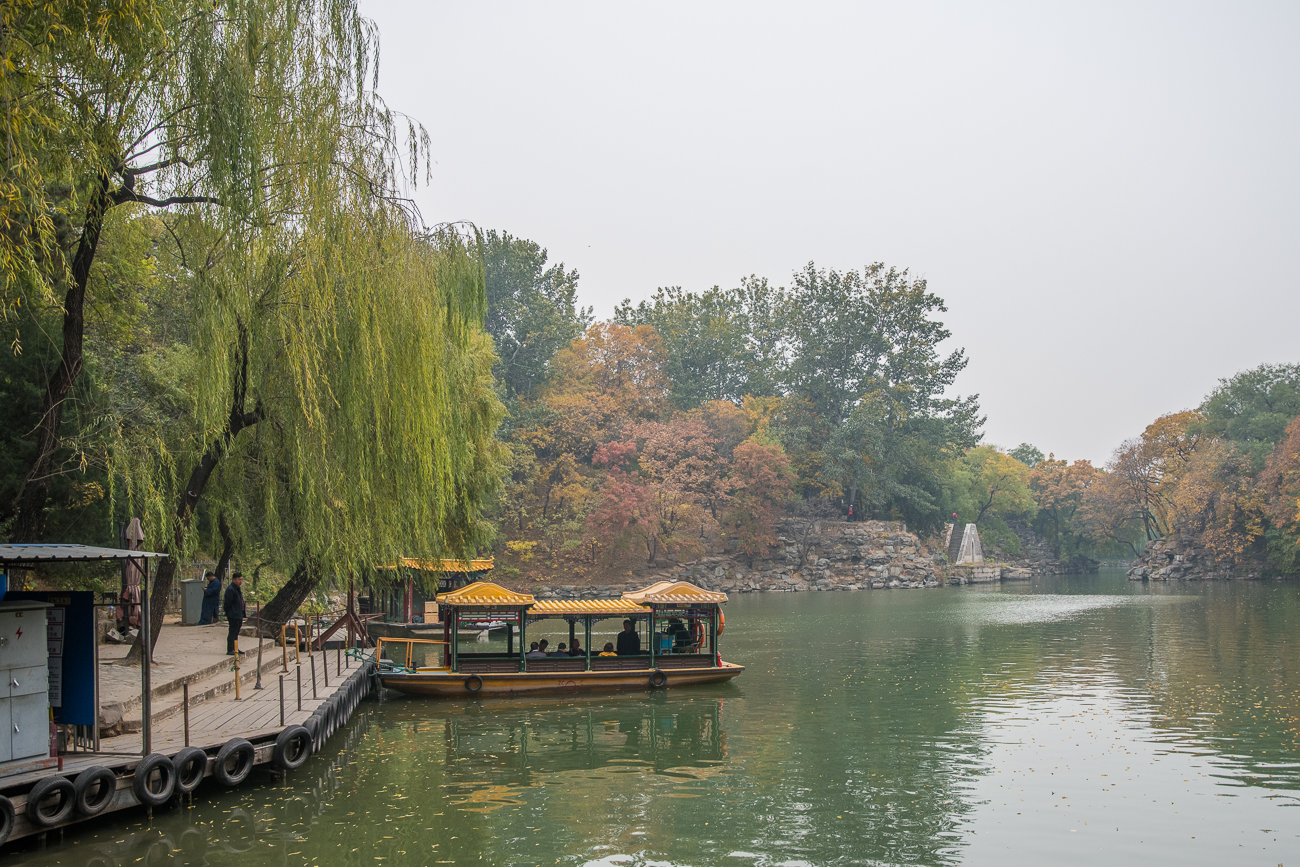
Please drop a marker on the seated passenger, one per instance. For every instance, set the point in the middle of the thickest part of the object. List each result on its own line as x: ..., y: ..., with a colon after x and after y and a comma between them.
x: 681, y: 635
x: 534, y: 652
x: 542, y: 647
x: 562, y: 650
x: 576, y: 649
x: 608, y: 651
x: 629, y: 643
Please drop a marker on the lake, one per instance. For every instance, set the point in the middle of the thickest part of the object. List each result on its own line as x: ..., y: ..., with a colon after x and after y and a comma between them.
x: 1069, y: 720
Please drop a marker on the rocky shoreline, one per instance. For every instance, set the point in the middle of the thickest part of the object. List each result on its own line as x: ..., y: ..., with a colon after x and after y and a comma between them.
x: 817, y: 556
x: 1181, y: 559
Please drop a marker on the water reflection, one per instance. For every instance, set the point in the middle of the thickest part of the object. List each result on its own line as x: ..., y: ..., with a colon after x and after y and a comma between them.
x: 1064, y: 720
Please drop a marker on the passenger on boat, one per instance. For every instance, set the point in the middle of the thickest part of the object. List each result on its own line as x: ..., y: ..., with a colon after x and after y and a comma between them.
x: 534, y: 652
x: 542, y: 647
x: 609, y: 649
x: 576, y: 649
x: 681, y: 635
x: 629, y: 643
x: 562, y: 650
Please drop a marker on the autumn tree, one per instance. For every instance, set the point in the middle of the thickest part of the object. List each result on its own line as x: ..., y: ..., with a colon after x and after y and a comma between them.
x: 1059, y: 488
x: 1280, y: 489
x: 761, y: 483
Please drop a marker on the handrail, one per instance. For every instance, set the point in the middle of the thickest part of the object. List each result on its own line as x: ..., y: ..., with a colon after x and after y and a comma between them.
x: 379, y: 647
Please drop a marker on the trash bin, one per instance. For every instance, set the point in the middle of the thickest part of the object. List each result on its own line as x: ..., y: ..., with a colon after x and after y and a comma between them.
x: 191, y: 600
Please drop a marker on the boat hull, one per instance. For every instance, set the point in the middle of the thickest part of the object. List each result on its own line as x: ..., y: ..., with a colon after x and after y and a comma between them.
x: 446, y: 684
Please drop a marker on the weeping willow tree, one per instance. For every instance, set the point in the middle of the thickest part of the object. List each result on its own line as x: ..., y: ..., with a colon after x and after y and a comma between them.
x: 343, y: 410
x: 250, y: 115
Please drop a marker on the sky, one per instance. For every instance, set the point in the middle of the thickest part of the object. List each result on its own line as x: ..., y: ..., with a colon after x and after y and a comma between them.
x: 1107, y: 195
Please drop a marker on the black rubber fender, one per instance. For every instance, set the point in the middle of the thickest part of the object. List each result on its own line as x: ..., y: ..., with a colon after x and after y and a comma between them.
x: 6, y: 819
x: 191, y: 764
x: 140, y: 784
x: 46, y: 818
x: 292, y: 748
x: 658, y: 680
x: 473, y: 683
x: 89, y: 800
x: 234, y: 762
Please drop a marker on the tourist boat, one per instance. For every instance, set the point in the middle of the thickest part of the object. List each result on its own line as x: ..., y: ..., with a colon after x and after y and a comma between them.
x: 676, y: 623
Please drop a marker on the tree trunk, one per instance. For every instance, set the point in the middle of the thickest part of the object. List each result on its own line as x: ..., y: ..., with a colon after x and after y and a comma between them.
x: 189, y: 501
x: 227, y: 547
x: 29, y: 505
x: 281, y: 608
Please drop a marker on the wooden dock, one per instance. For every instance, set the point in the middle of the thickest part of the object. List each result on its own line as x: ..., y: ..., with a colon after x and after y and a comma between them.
x: 257, y: 716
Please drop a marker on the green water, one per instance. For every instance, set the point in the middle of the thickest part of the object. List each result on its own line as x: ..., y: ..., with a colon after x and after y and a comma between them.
x: 1068, y: 721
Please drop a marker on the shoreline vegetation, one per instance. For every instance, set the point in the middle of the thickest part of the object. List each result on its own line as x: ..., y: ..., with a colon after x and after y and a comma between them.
x: 262, y: 352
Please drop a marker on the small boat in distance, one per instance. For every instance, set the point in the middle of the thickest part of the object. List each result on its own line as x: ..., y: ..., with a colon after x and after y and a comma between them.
x: 673, y: 641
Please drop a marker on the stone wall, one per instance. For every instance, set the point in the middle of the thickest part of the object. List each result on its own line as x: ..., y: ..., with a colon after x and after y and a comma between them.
x: 1181, y: 559
x: 834, y: 555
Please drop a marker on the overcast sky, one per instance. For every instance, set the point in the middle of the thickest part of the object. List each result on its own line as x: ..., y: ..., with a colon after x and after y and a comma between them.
x: 1107, y: 195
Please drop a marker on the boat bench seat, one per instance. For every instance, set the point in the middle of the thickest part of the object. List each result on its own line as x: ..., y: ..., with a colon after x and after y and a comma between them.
x: 620, y: 663
x: 486, y: 666
x: 574, y: 664
x: 691, y: 660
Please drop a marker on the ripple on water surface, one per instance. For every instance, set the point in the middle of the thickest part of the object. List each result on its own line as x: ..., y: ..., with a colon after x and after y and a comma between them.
x: 1063, y: 721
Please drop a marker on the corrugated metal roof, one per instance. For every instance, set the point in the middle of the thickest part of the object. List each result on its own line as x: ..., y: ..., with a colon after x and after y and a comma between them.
x: 485, y: 594
x: 15, y: 555
x: 560, y: 607
x: 679, y: 592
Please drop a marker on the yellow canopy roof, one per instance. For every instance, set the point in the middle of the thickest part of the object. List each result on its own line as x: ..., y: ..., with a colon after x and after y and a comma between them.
x: 674, y: 593
x: 447, y: 565
x: 485, y: 594
x: 561, y: 607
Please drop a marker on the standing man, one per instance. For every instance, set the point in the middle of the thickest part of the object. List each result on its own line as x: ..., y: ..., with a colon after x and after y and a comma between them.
x: 211, y: 599
x: 629, y: 643
x: 235, y: 610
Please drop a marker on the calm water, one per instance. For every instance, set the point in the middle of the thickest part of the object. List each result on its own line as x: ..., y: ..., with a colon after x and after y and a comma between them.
x: 1070, y: 721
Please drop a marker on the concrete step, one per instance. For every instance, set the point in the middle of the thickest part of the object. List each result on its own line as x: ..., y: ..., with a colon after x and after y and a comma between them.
x: 160, y: 689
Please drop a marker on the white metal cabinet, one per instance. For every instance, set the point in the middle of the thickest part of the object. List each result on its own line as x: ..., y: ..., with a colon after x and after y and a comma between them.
x: 24, y: 681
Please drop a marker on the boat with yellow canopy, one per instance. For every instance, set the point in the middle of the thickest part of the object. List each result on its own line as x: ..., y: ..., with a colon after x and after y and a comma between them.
x: 664, y: 635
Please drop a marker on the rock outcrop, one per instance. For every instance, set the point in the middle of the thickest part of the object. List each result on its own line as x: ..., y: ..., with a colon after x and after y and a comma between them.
x: 1181, y: 559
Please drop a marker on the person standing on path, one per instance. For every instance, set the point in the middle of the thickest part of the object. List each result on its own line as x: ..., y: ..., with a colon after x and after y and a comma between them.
x: 211, y: 599
x: 235, y: 610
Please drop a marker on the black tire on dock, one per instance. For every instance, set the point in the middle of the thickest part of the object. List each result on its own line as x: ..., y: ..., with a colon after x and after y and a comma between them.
x: 658, y: 680
x: 145, y: 792
x: 51, y: 787
x: 89, y: 800
x: 292, y: 748
x: 6, y: 819
x: 191, y: 764
x: 234, y: 762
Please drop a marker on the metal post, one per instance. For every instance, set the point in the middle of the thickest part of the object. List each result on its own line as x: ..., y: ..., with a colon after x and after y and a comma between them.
x: 258, y: 685
x: 338, y: 662
x: 146, y: 676
x: 282, y: 700
x: 284, y: 646
x: 300, y: 686
x: 237, y: 668
x: 185, y: 697
x: 311, y: 662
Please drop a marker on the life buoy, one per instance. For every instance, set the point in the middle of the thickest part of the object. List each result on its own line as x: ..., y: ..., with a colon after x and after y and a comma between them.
x: 92, y: 801
x: 154, y: 792
x: 658, y: 680
x: 50, y: 787
x: 697, y: 634
x: 722, y: 621
x: 191, y: 764
x: 473, y: 683
x: 234, y: 762
x: 292, y: 748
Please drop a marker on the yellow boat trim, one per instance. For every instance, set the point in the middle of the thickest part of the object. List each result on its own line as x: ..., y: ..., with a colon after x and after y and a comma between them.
x: 446, y: 565
x: 678, y: 592
x: 561, y: 607
x: 485, y: 594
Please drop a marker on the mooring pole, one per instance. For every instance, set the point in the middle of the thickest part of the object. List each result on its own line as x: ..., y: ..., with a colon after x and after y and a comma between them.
x: 258, y: 685
x: 339, y: 660
x: 237, y: 668
x: 185, y: 697
x: 312, y: 662
x: 300, y: 686
x: 282, y: 700
x: 146, y: 644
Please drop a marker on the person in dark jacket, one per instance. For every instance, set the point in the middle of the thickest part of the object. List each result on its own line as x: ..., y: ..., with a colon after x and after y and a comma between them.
x: 235, y: 610
x: 211, y: 601
x: 629, y: 643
